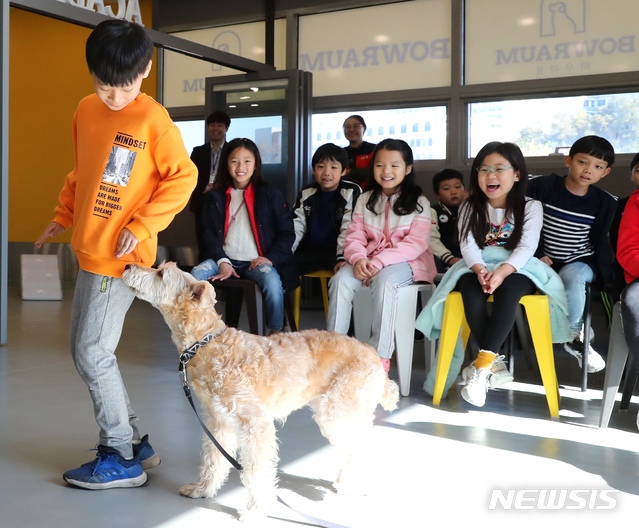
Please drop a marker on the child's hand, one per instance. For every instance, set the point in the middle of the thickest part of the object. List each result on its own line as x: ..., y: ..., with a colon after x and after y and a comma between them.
x: 494, y: 279
x: 373, y: 271
x: 364, y: 270
x: 126, y: 243
x: 546, y: 260
x: 52, y: 231
x: 361, y: 269
x: 339, y: 266
x: 226, y: 270
x: 258, y: 262
x: 481, y: 271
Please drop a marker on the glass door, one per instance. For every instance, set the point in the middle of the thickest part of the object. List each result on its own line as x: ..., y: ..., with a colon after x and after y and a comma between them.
x: 274, y: 110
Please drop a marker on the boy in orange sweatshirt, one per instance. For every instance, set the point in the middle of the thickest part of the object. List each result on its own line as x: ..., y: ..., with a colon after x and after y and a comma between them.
x: 132, y: 175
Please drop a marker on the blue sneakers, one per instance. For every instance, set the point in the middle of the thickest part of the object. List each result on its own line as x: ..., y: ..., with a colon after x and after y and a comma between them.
x: 108, y: 470
x: 145, y: 454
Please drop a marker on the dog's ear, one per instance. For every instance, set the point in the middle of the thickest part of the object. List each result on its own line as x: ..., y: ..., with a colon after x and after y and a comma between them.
x: 197, y: 290
x: 202, y: 291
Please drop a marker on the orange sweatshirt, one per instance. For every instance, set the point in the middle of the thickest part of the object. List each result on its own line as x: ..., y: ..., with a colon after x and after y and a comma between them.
x: 131, y: 170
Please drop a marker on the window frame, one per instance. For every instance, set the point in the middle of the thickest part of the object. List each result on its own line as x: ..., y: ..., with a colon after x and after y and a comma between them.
x: 458, y: 97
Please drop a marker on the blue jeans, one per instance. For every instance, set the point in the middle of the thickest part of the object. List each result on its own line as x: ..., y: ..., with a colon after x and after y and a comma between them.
x: 575, y: 276
x: 266, y: 277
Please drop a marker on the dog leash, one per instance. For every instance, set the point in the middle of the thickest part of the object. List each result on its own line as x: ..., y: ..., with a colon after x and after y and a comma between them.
x: 185, y: 357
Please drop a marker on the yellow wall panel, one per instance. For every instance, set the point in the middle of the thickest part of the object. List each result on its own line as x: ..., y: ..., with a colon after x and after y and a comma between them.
x: 48, y: 77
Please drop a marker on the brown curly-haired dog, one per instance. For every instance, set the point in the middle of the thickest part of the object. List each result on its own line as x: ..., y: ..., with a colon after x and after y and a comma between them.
x: 246, y: 382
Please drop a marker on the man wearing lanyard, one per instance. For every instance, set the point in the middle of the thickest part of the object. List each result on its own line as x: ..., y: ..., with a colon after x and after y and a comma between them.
x: 207, y: 157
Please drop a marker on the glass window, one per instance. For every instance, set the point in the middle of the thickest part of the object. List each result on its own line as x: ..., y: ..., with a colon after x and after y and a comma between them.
x: 193, y: 133
x: 184, y: 76
x: 265, y: 131
x: 433, y: 148
x: 543, y: 127
x: 368, y: 53
x: 542, y: 39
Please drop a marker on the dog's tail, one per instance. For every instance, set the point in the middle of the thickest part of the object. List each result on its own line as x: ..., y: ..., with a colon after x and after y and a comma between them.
x: 390, y: 396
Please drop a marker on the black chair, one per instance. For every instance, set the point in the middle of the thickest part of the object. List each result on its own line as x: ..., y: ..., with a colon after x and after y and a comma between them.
x: 630, y: 381
x: 238, y: 289
x: 592, y: 292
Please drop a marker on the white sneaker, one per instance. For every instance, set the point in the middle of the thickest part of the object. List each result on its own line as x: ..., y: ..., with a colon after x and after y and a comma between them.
x: 474, y: 392
x: 592, y: 334
x: 595, y: 361
x: 499, y: 373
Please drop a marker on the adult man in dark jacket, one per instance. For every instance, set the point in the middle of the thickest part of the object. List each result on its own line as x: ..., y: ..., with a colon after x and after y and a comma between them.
x: 206, y: 157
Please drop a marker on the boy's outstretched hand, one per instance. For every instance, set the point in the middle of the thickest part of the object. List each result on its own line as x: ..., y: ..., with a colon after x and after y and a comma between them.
x: 52, y: 231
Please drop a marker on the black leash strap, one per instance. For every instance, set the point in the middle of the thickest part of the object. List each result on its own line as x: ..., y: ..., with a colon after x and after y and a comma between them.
x: 228, y: 457
x: 185, y: 357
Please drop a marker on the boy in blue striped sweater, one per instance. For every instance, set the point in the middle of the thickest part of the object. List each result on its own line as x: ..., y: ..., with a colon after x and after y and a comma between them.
x: 574, y: 239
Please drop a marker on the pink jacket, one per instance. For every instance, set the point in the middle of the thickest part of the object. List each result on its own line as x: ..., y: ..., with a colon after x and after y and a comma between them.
x: 390, y: 239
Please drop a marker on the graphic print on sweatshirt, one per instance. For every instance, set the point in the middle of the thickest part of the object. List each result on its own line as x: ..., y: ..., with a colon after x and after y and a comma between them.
x: 119, y: 166
x: 499, y: 233
x: 116, y: 174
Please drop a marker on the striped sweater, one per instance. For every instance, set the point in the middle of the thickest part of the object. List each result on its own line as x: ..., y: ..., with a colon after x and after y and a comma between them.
x: 575, y: 227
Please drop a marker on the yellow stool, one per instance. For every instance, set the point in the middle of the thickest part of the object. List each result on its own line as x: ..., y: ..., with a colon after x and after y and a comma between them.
x: 323, y: 276
x: 538, y: 316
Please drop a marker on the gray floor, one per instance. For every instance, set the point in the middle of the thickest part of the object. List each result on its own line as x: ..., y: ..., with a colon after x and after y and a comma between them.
x: 428, y: 463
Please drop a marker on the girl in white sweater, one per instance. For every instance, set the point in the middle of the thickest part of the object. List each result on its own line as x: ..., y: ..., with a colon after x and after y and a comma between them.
x: 496, y: 213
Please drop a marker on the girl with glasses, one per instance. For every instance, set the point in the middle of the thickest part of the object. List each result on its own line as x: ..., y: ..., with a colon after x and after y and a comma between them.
x: 496, y: 213
x: 499, y: 230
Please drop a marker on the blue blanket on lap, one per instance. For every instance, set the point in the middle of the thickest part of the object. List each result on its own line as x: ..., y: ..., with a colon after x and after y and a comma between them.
x: 429, y: 321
